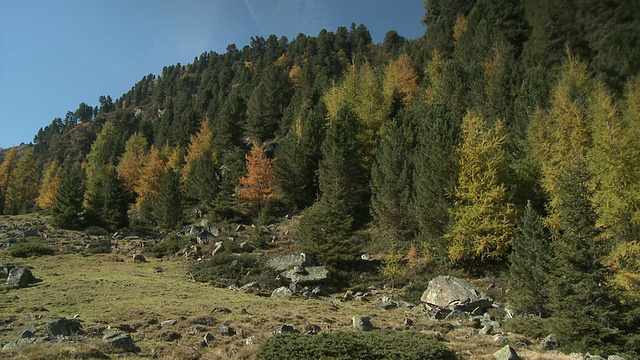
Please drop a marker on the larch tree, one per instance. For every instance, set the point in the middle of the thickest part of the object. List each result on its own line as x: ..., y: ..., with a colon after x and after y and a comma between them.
x: 481, y: 216
x: 400, y: 78
x: 22, y: 189
x: 150, y: 177
x: 132, y: 161
x: 199, y: 143
x: 6, y: 175
x: 260, y: 183
x: 50, y: 184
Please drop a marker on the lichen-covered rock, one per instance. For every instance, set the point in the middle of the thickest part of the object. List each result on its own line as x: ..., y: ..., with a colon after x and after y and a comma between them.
x: 19, y: 276
x: 119, y: 339
x: 506, y: 353
x: 303, y: 276
x: 448, y: 292
x: 362, y: 323
x: 63, y: 327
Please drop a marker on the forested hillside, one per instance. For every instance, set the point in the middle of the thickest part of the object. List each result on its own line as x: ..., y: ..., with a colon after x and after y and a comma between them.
x: 504, y: 139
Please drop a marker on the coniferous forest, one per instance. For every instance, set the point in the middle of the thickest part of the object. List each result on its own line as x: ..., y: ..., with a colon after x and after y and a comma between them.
x: 505, y: 140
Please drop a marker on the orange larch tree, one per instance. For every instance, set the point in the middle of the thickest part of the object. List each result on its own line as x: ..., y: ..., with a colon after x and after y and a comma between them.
x: 259, y: 185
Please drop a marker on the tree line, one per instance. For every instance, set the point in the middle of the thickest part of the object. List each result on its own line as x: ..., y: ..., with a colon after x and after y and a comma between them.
x: 506, y: 135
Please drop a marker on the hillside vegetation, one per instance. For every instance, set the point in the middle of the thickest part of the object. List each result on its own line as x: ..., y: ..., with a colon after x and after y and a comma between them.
x: 501, y: 144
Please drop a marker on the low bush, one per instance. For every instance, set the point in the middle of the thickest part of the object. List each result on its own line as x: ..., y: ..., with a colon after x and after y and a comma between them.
x: 168, y: 246
x: 377, y: 344
x: 243, y: 267
x: 30, y: 247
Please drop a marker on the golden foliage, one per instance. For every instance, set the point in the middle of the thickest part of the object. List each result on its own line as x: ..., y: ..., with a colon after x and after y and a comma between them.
x: 460, y: 27
x: 401, y: 77
x: 260, y: 182
x: 49, y: 187
x: 151, y: 176
x: 6, y: 175
x: 198, y: 144
x: 132, y: 161
x: 433, y: 72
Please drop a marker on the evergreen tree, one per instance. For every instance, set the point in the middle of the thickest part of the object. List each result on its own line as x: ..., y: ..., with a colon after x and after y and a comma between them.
x: 167, y: 203
x: 481, y: 214
x: 343, y: 180
x: 108, y: 205
x: 67, y: 211
x: 392, y: 181
x: 203, y: 180
x: 199, y: 143
x: 22, y: 189
x: 529, y: 265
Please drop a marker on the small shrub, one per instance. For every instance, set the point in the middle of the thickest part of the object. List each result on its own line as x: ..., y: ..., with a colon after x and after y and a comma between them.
x: 168, y: 246
x: 378, y: 344
x: 30, y: 247
x: 245, y: 268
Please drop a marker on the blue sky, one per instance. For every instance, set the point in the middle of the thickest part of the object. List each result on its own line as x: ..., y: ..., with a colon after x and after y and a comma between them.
x: 56, y: 54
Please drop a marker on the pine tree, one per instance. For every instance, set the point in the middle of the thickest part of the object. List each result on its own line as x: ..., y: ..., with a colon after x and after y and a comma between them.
x: 22, y: 189
x: 529, y: 265
x: 49, y: 187
x: 67, y: 211
x: 203, y: 180
x: 6, y: 176
x: 481, y: 215
x: 167, y: 203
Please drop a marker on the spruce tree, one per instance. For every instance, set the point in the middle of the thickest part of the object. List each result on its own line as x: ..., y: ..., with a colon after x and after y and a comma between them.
x: 392, y: 181
x: 167, y: 203
x: 203, y: 180
x: 108, y: 204
x: 67, y: 210
x: 529, y: 265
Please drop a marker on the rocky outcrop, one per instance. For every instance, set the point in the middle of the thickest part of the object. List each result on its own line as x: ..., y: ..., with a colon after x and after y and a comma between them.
x: 506, y: 353
x: 362, y: 323
x: 303, y: 276
x: 119, y: 339
x: 448, y: 292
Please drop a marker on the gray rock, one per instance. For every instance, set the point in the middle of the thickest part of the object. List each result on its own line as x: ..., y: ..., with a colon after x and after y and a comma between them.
x: 486, y: 330
x: 593, y: 357
x: 63, y: 326
x: 387, y: 305
x: 218, y: 247
x: 452, y: 293
x: 506, y: 353
x: 615, y: 357
x: 285, y: 262
x: 139, y: 258
x: 5, y: 269
x: 304, y: 276
x: 281, y: 292
x: 208, y: 339
x: 167, y: 323
x: 119, y: 339
x: 30, y: 232
x: 285, y: 329
x: 251, y: 287
x: 362, y: 323
x: 28, y: 332
x: 549, y: 343
x: 19, y: 276
x: 226, y: 282
x: 225, y: 330
x: 192, y: 331
x: 21, y: 342
x: 245, y: 247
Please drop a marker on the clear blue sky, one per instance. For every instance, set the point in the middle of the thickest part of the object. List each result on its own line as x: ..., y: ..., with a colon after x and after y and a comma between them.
x: 56, y: 54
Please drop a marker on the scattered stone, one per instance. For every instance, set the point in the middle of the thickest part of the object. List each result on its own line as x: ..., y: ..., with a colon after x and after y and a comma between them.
x: 281, y: 292
x: 20, y: 342
x: 192, y: 330
x: 19, y: 276
x: 240, y: 332
x: 27, y: 332
x: 452, y: 293
x: 285, y: 329
x: 499, y: 338
x: 593, y: 357
x: 208, y: 339
x: 139, y: 258
x: 312, y: 329
x: 221, y: 310
x: 549, y: 343
x: 486, y: 330
x: 348, y: 296
x: 245, y: 247
x: 362, y: 323
x: 225, y: 330
x: 64, y: 327
x: 168, y: 323
x: 615, y: 357
x: 170, y: 336
x: 250, y: 341
x: 252, y: 287
x: 5, y: 269
x: 365, y: 257
x: 30, y: 233
x: 218, y: 247
x: 119, y: 339
x: 506, y: 353
x: 284, y: 262
x: 407, y: 322
x: 387, y: 305
x: 206, y: 321
x: 303, y: 276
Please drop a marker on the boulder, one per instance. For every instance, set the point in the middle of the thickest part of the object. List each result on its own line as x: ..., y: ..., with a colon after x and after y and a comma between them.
x: 20, y: 342
x: 615, y: 357
x: 63, y: 326
x: 139, y: 258
x: 549, y: 343
x: 119, y: 339
x: 506, y: 353
x: 281, y: 292
x: 208, y: 339
x: 167, y: 323
x: 362, y: 323
x: 5, y: 269
x: 218, y: 247
x: 284, y: 262
x: 285, y: 329
x: 19, y: 276
x: 448, y: 292
x: 303, y: 276
x: 252, y: 287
